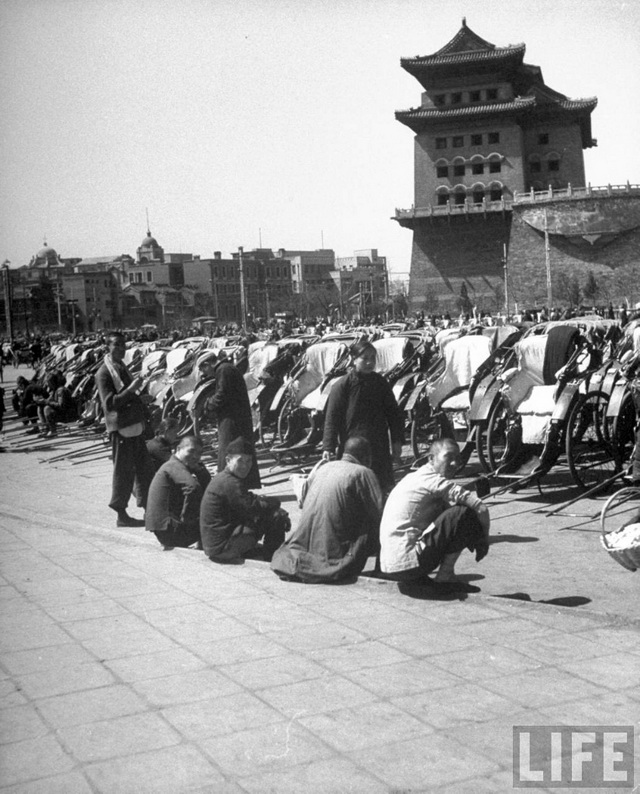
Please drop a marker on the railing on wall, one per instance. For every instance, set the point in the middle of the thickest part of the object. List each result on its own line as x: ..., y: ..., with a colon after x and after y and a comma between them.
x: 576, y: 192
x: 536, y: 196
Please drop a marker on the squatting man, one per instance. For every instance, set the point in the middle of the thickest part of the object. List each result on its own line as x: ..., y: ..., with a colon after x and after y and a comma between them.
x: 429, y: 520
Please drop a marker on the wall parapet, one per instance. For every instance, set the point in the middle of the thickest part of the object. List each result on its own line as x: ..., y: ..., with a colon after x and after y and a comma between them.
x: 570, y: 192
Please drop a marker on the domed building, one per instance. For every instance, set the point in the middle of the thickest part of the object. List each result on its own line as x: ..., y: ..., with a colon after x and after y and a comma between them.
x: 149, y: 250
x: 47, y: 257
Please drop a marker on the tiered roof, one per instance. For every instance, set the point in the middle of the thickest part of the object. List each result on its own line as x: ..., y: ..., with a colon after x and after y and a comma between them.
x: 466, y: 58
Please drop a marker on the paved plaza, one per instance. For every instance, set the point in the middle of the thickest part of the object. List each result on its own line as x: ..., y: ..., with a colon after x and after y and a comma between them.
x: 129, y: 669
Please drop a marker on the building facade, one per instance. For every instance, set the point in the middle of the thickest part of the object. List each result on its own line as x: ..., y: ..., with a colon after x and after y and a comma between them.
x: 487, y: 129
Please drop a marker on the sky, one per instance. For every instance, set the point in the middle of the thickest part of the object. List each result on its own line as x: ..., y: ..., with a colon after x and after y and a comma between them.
x: 261, y: 122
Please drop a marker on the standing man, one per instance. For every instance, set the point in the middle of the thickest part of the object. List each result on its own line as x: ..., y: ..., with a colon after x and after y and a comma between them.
x: 173, y: 506
x: 230, y: 405
x: 125, y: 419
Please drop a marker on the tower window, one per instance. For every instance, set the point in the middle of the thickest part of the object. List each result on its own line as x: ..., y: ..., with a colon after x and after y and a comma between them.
x: 458, y: 141
x: 474, y: 96
x: 456, y: 98
x: 493, y: 137
x: 477, y: 168
x: 443, y: 199
x: 543, y: 138
x: 439, y: 99
x: 459, y: 198
x: 476, y: 140
x: 441, y: 143
x: 496, y: 193
x: 458, y: 170
x: 492, y: 93
x: 442, y: 172
x: 553, y: 165
x: 478, y: 196
x: 495, y: 166
x: 535, y: 166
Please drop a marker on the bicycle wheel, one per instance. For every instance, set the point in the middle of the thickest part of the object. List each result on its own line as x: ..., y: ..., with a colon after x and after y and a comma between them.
x: 590, y: 456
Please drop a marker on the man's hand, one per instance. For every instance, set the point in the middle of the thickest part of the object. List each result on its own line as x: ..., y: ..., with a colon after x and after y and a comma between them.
x: 136, y: 384
x: 326, y: 456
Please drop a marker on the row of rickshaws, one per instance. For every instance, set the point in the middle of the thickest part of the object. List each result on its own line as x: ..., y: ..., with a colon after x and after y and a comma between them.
x: 524, y: 400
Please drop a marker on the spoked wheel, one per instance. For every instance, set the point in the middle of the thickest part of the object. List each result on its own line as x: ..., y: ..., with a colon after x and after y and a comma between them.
x: 497, y: 437
x: 293, y: 422
x: 178, y: 410
x: 623, y: 432
x: 426, y: 427
x: 482, y: 445
x: 590, y: 456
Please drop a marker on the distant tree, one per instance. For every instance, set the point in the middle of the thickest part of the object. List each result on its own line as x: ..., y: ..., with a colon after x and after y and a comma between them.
x: 566, y: 288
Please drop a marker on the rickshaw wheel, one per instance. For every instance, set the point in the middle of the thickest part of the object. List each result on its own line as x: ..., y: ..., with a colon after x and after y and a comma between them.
x: 288, y: 428
x: 497, y: 436
x: 623, y: 431
x: 178, y: 410
x: 590, y: 457
x: 426, y: 427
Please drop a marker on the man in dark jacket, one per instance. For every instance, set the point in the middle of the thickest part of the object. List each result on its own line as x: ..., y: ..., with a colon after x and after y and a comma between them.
x: 339, y: 523
x: 229, y: 403
x: 125, y: 420
x: 173, y: 505
x: 232, y: 519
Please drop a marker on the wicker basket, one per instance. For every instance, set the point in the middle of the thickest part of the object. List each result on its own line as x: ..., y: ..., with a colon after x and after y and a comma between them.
x: 623, y: 543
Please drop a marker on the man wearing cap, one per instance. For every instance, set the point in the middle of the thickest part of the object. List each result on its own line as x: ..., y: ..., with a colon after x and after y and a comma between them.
x: 233, y: 519
x: 229, y: 402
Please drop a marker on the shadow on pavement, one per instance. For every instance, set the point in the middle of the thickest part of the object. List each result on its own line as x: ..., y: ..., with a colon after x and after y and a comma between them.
x: 562, y: 601
x: 512, y: 539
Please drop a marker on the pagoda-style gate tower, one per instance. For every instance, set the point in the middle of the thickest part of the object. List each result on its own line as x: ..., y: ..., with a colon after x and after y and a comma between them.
x: 487, y: 128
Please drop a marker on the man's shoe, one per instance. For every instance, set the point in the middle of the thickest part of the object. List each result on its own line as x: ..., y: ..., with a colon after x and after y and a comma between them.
x: 125, y: 520
x: 50, y: 434
x: 31, y: 431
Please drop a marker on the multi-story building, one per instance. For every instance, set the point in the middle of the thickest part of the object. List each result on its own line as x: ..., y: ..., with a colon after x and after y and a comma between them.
x: 362, y: 282
x: 487, y: 129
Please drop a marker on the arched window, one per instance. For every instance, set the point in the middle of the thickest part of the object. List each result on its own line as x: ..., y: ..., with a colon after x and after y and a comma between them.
x: 495, y: 191
x: 442, y: 168
x: 442, y: 196
x: 553, y: 161
x: 478, y: 191
x: 458, y: 166
x: 459, y: 195
x: 535, y: 164
x: 495, y: 163
x: 477, y: 164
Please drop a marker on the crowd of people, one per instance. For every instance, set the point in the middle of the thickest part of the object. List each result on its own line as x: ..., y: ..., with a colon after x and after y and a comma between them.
x: 353, y: 509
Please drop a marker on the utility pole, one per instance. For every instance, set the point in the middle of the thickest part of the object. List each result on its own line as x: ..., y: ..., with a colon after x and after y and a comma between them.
x: 547, y: 259
x: 243, y: 299
x: 8, y: 298
x: 506, y: 279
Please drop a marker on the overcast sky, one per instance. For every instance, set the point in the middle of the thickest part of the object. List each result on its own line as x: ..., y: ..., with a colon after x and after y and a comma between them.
x: 226, y: 117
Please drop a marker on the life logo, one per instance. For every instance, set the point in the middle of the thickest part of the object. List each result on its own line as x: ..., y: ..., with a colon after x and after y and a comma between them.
x: 573, y: 756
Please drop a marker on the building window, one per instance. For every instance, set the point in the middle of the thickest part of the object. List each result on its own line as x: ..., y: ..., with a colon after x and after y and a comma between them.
x: 443, y: 199
x: 495, y: 166
x: 493, y: 137
x: 478, y: 195
x: 543, y: 138
x: 459, y: 198
x: 442, y: 172
x: 476, y: 140
x: 477, y: 168
x: 535, y: 166
x: 496, y: 193
x: 441, y: 143
x: 474, y: 96
x: 456, y: 98
x: 439, y: 99
x: 458, y: 170
x: 492, y: 93
x: 149, y: 277
x: 458, y: 141
x: 553, y: 165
